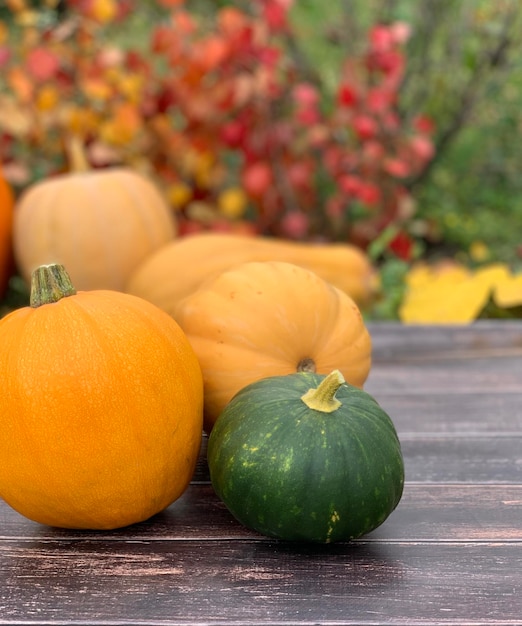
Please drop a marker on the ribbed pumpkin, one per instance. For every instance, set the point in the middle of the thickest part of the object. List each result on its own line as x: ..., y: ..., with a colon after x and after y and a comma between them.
x: 263, y: 319
x: 101, y: 224
x: 306, y: 457
x: 181, y: 266
x: 6, y: 226
x: 101, y: 407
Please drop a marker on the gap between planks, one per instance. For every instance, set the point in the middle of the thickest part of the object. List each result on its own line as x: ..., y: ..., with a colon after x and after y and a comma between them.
x: 416, y: 541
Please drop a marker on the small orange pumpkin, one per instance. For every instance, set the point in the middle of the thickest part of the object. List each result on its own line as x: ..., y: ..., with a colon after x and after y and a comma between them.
x: 6, y: 226
x: 101, y: 407
x: 264, y: 319
x: 100, y: 224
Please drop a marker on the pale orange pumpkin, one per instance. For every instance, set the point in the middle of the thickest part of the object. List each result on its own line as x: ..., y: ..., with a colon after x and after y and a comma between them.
x: 178, y: 268
x: 101, y: 224
x: 6, y: 226
x: 264, y: 319
x: 101, y: 407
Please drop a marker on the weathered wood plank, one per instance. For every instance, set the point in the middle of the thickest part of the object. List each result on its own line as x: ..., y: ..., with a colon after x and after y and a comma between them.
x: 463, y: 459
x: 450, y: 375
x: 247, y: 583
x: 467, y: 414
x: 426, y: 512
x: 394, y: 341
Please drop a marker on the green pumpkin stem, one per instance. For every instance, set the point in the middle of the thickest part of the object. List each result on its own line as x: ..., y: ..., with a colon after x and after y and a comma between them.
x: 50, y: 283
x: 323, y: 397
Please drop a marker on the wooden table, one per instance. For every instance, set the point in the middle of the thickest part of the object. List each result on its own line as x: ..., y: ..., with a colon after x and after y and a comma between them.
x: 451, y: 553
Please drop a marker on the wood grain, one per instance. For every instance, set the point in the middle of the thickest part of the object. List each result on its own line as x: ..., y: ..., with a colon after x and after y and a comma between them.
x: 480, y: 413
x: 245, y: 582
x: 483, y: 338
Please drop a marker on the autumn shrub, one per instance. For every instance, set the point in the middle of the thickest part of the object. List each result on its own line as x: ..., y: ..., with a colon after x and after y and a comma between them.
x: 219, y: 108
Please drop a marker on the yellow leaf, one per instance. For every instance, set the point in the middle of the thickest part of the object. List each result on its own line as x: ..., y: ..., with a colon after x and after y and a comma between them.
x: 492, y: 275
x: 479, y: 251
x: 96, y: 89
x: 21, y: 84
x: 232, y: 202
x: 47, y: 98
x: 450, y: 295
x: 14, y: 119
x: 447, y: 271
x: 131, y: 87
x: 27, y: 18
x: 203, y: 169
x: 3, y: 32
x: 80, y: 121
x: 104, y: 10
x: 179, y: 194
x: 123, y: 126
x: 508, y: 293
x: 445, y: 303
x: 419, y: 274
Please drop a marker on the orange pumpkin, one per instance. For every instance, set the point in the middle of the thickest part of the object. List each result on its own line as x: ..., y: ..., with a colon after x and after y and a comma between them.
x: 263, y: 319
x: 101, y: 407
x: 178, y: 268
x: 6, y: 225
x: 101, y: 224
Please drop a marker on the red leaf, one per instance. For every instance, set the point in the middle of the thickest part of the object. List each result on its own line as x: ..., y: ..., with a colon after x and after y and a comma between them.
x: 381, y: 38
x: 349, y: 184
x: 347, y: 96
x: 422, y: 148
x: 397, y: 168
x: 170, y: 4
x: 161, y: 39
x: 402, y: 246
x: 5, y: 56
x: 295, y: 224
x: 257, y: 178
x: 369, y: 194
x: 423, y: 124
x: 213, y: 52
x: 231, y: 21
x: 233, y: 133
x: 365, y: 127
x: 275, y: 14
x: 378, y: 100
x: 305, y: 95
x: 42, y: 64
x: 307, y: 117
x: 373, y: 151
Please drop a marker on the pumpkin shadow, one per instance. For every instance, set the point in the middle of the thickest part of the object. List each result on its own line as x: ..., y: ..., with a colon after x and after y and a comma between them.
x: 371, y: 565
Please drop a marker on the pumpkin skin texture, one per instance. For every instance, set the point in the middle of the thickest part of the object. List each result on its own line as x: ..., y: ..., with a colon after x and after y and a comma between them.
x: 101, y: 407
x: 100, y: 224
x: 268, y: 319
x: 6, y: 227
x: 160, y: 280
x: 306, y: 474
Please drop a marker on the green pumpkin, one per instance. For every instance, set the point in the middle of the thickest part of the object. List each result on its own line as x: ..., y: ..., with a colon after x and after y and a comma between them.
x: 306, y: 457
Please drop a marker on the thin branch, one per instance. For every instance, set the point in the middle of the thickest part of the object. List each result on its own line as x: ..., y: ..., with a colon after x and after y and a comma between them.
x: 492, y: 60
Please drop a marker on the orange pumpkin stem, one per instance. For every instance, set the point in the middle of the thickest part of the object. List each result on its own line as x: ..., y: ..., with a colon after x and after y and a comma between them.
x: 76, y: 155
x: 323, y: 397
x: 50, y: 283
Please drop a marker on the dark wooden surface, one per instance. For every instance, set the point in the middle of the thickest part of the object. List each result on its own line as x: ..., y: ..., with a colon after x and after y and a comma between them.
x: 451, y: 553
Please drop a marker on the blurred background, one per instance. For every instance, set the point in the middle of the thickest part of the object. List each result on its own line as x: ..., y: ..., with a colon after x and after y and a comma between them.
x: 390, y: 125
